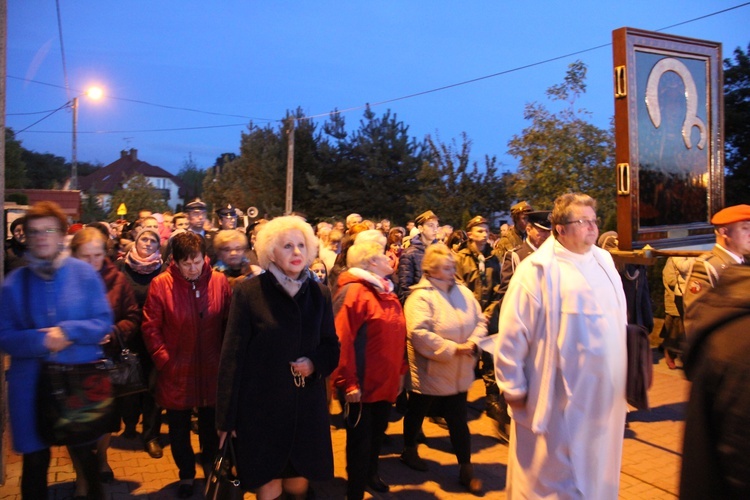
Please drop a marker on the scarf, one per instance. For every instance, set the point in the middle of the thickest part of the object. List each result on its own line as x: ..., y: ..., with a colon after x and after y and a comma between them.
x: 141, y: 265
x: 382, y: 285
x: 44, y: 268
x: 290, y: 285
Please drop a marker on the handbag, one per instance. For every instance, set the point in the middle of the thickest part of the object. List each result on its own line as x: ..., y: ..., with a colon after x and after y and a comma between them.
x: 75, y: 403
x: 126, y: 373
x: 222, y: 482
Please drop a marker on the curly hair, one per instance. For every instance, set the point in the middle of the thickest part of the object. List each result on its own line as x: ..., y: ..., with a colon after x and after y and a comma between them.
x: 270, y: 235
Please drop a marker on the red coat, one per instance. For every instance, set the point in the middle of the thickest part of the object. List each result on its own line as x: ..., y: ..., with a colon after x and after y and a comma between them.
x: 371, y: 327
x: 183, y: 328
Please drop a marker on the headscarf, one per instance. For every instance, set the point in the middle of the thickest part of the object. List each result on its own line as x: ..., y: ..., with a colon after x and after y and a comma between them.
x: 144, y: 265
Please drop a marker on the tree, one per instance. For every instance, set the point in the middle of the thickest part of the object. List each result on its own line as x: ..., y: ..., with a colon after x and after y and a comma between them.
x: 15, y: 167
x: 562, y: 152
x: 453, y: 187
x: 737, y: 126
x: 192, y: 177
x: 137, y: 194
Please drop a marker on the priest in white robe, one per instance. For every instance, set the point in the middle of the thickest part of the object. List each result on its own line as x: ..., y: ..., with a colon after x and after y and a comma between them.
x: 561, y: 361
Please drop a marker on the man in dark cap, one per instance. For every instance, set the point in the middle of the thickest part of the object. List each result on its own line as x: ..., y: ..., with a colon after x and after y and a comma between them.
x: 732, y: 230
x: 410, y: 263
x: 196, y: 215
x: 516, y: 234
x: 227, y: 217
x: 479, y: 270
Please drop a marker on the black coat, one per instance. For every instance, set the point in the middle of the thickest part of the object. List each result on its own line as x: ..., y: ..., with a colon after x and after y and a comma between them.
x: 277, y: 423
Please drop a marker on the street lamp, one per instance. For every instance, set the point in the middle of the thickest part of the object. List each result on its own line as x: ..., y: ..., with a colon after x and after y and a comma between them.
x: 94, y: 93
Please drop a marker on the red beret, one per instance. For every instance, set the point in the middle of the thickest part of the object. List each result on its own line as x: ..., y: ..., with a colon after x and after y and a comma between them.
x: 729, y: 215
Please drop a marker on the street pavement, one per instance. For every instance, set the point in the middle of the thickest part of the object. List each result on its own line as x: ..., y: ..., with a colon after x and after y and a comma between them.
x: 650, y: 466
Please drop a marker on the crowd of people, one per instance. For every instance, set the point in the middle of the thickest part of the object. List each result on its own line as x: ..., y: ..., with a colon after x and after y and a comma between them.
x: 247, y: 333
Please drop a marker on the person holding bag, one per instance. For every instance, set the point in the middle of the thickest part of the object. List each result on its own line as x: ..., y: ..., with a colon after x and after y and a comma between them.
x: 53, y: 310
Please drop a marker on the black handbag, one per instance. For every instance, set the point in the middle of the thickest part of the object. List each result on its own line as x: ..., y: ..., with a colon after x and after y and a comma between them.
x: 126, y: 373
x: 75, y: 403
x: 222, y: 482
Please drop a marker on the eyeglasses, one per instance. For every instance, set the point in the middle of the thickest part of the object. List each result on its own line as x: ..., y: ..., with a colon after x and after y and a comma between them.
x: 585, y: 222
x: 42, y: 232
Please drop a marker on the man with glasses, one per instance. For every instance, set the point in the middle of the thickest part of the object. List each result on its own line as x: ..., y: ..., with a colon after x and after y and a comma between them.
x: 561, y: 362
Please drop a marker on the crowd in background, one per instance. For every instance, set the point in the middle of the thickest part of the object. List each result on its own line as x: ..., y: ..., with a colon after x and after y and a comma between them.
x: 249, y: 331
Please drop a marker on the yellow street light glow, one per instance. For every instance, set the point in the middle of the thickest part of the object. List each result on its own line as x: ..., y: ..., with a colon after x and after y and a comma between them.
x: 95, y: 93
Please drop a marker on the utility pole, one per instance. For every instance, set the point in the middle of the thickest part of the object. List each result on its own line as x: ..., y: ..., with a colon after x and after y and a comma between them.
x: 3, y: 359
x: 74, y: 159
x: 289, y: 167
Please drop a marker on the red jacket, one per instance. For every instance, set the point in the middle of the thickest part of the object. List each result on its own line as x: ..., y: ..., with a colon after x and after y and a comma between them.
x: 183, y: 328
x: 371, y: 327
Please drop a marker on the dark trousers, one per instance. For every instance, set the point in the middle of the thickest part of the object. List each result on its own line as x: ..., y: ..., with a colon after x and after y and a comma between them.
x: 452, y: 409
x: 133, y: 406
x: 36, y: 466
x: 487, y: 370
x: 179, y: 439
x: 363, y: 443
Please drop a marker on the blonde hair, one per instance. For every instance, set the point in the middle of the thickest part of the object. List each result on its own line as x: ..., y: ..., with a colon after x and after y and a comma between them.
x: 360, y: 254
x: 227, y: 236
x: 271, y: 233
x: 371, y: 235
x: 435, y: 256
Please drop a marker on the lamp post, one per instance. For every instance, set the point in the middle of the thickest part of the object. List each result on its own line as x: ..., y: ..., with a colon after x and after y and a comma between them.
x: 94, y: 93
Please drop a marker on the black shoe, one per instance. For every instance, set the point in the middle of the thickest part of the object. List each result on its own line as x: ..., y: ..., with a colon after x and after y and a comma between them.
x: 411, y: 457
x: 154, y: 449
x: 377, y: 484
x: 184, y: 490
x: 106, y: 476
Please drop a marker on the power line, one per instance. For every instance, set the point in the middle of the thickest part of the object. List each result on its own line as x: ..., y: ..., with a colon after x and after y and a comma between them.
x: 363, y: 106
x: 62, y: 49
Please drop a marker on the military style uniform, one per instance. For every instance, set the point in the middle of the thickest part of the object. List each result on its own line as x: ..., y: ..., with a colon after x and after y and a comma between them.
x: 705, y: 274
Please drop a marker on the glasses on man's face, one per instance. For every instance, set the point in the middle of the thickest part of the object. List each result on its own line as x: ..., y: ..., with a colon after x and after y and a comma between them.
x: 585, y: 222
x: 34, y: 233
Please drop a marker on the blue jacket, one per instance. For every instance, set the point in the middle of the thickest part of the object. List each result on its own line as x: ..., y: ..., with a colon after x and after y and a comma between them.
x: 410, y: 267
x: 76, y: 301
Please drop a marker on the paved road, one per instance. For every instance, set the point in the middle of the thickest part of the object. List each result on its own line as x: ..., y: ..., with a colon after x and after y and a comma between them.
x: 650, y: 469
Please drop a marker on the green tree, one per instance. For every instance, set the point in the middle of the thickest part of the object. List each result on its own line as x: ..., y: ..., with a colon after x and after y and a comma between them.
x: 737, y: 126
x: 192, y: 178
x: 91, y: 210
x: 562, y: 152
x: 15, y: 167
x: 454, y: 187
x: 137, y: 194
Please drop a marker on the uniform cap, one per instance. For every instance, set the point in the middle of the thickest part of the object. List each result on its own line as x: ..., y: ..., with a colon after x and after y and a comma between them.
x: 228, y: 211
x: 196, y: 204
x: 729, y: 215
x: 476, y: 221
x: 424, y: 217
x: 520, y: 207
x: 541, y: 219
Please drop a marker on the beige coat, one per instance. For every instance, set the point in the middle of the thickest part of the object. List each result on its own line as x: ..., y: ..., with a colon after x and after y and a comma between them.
x: 436, y: 323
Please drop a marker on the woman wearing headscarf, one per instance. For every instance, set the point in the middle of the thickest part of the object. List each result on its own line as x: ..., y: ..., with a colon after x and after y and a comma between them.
x: 89, y: 245
x: 444, y: 325
x: 183, y: 327
x: 15, y: 246
x: 54, y: 309
x: 140, y: 266
x: 372, y: 331
x: 280, y: 346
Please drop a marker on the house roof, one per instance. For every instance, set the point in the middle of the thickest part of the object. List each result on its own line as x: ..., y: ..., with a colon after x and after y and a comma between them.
x: 108, y: 179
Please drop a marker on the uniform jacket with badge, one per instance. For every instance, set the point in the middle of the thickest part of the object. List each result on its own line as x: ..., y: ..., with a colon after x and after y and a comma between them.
x: 482, y: 285
x: 705, y: 274
x: 371, y: 328
x: 183, y: 328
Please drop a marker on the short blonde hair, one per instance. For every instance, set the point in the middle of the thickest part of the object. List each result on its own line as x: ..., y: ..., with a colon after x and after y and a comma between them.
x: 271, y: 233
x: 435, y: 256
x: 373, y: 235
x: 227, y: 236
x: 564, y: 208
x: 360, y: 254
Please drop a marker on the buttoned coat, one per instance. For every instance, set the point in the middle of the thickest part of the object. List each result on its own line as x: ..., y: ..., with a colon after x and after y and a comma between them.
x: 278, y: 422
